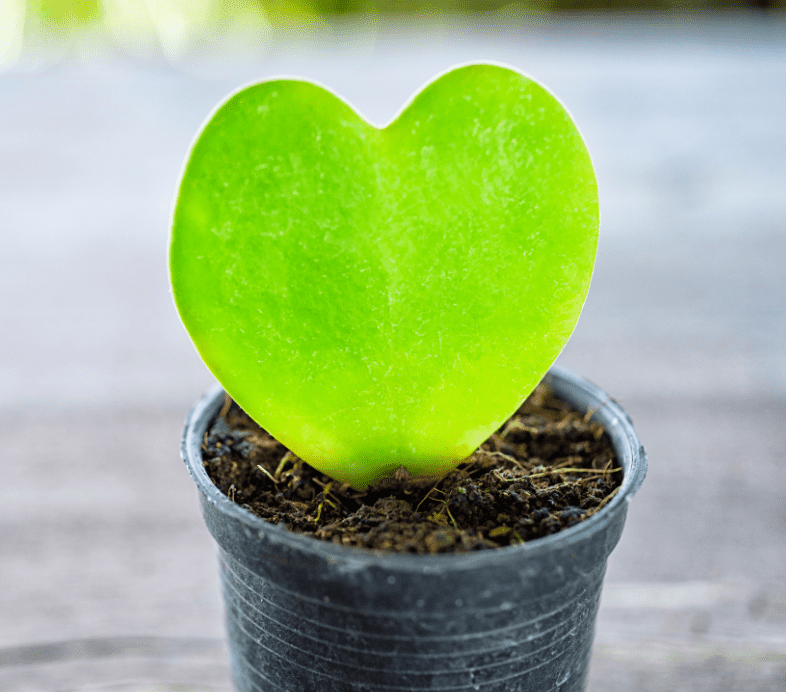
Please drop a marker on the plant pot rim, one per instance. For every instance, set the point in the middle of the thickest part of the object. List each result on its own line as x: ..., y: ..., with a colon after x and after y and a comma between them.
x: 572, y: 388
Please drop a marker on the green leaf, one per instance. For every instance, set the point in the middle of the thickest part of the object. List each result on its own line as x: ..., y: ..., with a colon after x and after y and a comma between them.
x: 378, y: 298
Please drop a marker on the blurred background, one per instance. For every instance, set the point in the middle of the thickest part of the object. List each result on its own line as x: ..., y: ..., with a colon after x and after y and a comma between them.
x: 176, y: 28
x: 107, y: 576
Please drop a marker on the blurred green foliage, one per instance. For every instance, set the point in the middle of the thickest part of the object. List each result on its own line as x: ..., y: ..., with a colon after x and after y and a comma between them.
x: 178, y: 27
x: 64, y: 13
x: 70, y: 13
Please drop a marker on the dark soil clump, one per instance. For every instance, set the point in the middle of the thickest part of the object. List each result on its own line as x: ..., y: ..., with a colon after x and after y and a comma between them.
x: 546, y: 469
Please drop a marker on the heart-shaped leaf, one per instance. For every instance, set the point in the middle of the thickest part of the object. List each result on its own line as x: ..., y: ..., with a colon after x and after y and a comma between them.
x: 378, y: 298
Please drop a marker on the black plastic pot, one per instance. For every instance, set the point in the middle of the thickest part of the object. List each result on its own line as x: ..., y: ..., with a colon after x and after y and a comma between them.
x: 309, y: 616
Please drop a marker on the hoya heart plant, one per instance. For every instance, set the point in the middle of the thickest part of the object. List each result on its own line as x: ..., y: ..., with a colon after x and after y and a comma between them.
x: 385, y: 297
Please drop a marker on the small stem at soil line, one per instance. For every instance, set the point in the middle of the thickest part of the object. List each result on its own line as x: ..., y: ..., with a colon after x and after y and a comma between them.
x: 227, y: 405
x: 556, y: 472
x: 267, y: 473
x: 516, y: 424
x: 606, y: 499
x: 287, y: 457
x: 426, y: 496
x: 506, y: 457
x: 451, y: 516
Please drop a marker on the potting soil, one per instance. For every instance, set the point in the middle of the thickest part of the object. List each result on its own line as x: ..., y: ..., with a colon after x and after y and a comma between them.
x: 547, y: 468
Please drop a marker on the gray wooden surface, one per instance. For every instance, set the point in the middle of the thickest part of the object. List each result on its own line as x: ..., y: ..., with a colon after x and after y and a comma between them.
x: 107, y: 576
